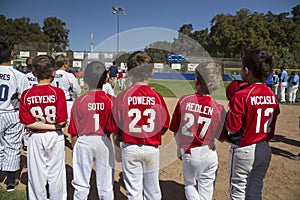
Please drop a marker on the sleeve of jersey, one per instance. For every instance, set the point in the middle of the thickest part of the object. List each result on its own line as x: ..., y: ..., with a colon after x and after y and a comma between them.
x: 24, y: 112
x: 72, y: 129
x: 234, y: 120
x: 76, y: 85
x: 222, y: 128
x: 175, y: 122
x: 23, y: 84
x: 61, y: 107
x: 113, y: 118
x: 167, y: 117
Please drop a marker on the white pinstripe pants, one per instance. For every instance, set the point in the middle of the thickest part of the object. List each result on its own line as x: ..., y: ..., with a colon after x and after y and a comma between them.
x: 10, y: 141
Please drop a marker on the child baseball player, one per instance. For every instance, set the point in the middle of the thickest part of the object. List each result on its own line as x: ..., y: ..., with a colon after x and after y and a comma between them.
x: 43, y: 110
x: 89, y: 118
x: 197, y: 121
x: 142, y: 117
x: 66, y: 81
x: 251, y: 124
x: 12, y: 84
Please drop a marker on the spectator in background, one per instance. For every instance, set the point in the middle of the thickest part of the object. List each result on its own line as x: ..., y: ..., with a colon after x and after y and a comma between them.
x: 123, y: 80
x: 113, y: 72
x: 80, y: 77
x: 276, y: 82
x: 107, y: 88
x: 293, y: 87
x: 283, y: 84
x: 269, y: 81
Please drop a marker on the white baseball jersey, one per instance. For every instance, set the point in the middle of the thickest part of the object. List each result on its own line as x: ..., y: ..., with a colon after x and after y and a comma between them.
x: 107, y: 88
x: 12, y: 84
x: 66, y: 81
x: 31, y: 79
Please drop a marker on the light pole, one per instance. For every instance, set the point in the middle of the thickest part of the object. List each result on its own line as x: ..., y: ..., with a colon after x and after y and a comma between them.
x: 117, y: 11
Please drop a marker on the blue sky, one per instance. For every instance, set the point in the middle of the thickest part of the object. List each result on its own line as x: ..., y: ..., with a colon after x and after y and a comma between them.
x: 95, y: 16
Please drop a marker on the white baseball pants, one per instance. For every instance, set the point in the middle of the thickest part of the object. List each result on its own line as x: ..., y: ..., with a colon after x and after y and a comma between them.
x: 86, y: 150
x: 10, y: 141
x: 140, y: 165
x: 46, y: 163
x: 283, y: 86
x: 293, y: 93
x: 247, y: 168
x: 199, y: 172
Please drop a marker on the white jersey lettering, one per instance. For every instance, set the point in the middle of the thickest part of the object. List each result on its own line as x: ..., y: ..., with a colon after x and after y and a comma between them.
x: 96, y: 106
x: 198, y: 108
x: 141, y: 100
x: 262, y: 100
x: 41, y: 99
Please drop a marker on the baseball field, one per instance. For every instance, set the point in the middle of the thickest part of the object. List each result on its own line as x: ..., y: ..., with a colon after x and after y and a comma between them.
x: 282, y: 181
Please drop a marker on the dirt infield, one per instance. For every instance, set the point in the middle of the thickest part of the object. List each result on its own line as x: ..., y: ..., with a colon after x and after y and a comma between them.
x: 282, y: 180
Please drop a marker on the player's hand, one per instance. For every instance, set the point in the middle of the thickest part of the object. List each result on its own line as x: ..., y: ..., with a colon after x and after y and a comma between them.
x: 26, y: 131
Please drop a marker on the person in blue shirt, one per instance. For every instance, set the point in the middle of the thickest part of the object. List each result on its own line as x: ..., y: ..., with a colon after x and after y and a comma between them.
x: 269, y: 81
x: 276, y: 82
x: 283, y: 84
x: 113, y: 72
x: 293, y: 87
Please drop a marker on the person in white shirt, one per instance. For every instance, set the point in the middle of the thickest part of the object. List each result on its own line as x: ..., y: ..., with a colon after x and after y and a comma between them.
x: 66, y: 81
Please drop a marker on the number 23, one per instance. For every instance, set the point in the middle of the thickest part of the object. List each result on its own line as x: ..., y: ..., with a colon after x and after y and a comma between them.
x: 138, y: 115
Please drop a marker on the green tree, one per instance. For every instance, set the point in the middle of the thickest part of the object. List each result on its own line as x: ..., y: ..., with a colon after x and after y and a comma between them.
x: 283, y: 57
x: 56, y: 30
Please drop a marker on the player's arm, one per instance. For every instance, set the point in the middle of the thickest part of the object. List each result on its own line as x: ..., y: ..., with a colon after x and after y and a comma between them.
x: 43, y: 126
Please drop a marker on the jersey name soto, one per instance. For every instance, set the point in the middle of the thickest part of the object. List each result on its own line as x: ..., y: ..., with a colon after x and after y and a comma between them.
x: 95, y: 106
x: 5, y: 77
x: 41, y: 99
x: 262, y: 100
x: 198, y: 108
x: 141, y: 100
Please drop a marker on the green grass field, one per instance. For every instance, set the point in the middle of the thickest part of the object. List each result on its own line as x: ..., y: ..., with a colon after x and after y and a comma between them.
x: 177, y: 88
x: 15, y: 195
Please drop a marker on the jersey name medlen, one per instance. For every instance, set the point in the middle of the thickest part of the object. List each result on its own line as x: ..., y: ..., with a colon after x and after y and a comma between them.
x: 198, y: 108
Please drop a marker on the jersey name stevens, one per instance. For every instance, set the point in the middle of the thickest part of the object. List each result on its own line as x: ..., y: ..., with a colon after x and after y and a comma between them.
x: 141, y: 100
x: 41, y: 99
x: 262, y: 100
x: 198, y: 108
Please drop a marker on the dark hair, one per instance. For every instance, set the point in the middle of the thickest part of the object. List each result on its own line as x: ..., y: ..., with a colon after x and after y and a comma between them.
x: 140, y: 65
x: 95, y: 74
x: 209, y: 76
x: 60, y: 60
x: 43, y: 66
x: 29, y: 63
x: 260, y: 63
x: 5, y: 51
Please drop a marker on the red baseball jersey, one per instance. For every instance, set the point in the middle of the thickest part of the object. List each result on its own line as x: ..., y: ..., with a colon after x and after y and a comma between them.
x: 253, y: 113
x: 43, y: 103
x: 197, y: 120
x: 141, y: 114
x: 90, y: 114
